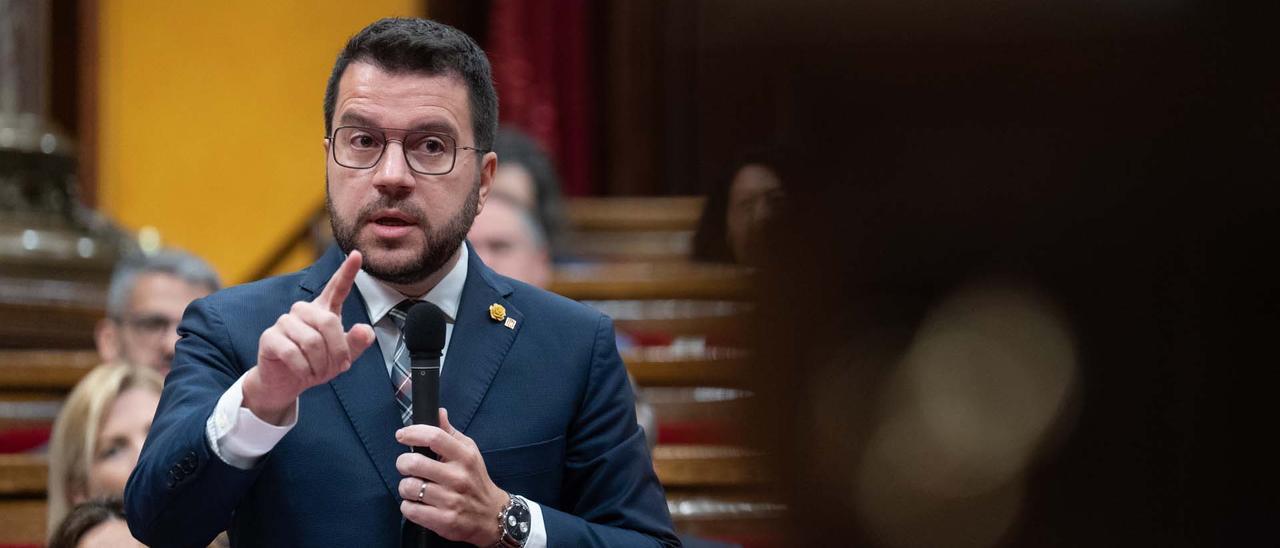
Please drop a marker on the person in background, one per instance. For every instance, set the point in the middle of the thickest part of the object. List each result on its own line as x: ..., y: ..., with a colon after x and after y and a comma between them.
x: 145, y: 301
x: 527, y: 177
x: 510, y: 240
x: 737, y: 209
x: 98, y: 435
x: 97, y: 523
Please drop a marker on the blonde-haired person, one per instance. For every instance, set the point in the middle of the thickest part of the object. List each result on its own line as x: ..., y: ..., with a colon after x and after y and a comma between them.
x: 98, y: 435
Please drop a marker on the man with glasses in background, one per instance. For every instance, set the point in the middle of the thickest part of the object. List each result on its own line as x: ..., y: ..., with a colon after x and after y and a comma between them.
x: 144, y: 304
x: 276, y: 422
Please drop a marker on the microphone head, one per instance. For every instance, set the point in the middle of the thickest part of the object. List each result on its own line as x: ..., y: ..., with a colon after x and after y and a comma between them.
x: 424, y: 330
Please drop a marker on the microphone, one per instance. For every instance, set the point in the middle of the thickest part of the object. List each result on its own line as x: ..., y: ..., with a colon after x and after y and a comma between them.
x: 424, y: 330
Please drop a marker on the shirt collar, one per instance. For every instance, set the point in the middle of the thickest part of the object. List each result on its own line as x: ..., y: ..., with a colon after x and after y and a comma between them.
x: 379, y: 298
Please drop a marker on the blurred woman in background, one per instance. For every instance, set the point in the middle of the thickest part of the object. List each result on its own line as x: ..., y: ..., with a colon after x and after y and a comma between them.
x: 98, y: 435
x: 738, y: 208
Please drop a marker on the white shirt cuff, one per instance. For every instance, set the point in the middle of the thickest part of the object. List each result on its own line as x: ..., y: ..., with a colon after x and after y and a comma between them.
x: 238, y: 436
x: 537, y: 528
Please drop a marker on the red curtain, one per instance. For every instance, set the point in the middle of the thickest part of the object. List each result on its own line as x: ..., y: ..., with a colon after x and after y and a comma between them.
x: 540, y: 50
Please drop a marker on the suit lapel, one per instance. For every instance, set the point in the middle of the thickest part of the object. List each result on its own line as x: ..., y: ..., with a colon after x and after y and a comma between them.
x: 365, y: 390
x: 366, y: 395
x: 479, y: 343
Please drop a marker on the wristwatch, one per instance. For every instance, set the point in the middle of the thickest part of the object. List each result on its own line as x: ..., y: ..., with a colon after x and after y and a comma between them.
x: 514, y: 522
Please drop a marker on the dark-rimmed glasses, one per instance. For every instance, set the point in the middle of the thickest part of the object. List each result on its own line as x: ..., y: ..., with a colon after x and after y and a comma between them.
x: 424, y: 152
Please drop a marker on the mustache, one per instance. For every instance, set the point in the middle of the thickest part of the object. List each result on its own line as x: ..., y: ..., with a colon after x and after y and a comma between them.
x: 388, y: 203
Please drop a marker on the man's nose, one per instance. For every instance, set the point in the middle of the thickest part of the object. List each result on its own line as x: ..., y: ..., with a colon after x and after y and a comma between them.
x: 392, y: 174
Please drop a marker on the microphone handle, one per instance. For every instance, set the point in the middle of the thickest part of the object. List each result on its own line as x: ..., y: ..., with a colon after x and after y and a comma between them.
x: 426, y: 395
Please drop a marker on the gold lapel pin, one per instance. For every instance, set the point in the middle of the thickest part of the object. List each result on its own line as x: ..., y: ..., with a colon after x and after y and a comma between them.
x: 498, y: 312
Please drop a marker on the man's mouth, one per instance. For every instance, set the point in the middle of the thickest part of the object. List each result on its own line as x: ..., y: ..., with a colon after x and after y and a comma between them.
x: 390, y: 224
x: 392, y: 218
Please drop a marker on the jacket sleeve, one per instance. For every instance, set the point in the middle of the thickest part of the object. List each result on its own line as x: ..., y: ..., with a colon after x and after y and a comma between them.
x: 613, y: 497
x: 181, y: 493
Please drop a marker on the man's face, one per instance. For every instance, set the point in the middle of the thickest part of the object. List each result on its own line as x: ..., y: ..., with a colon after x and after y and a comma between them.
x: 146, y: 333
x: 501, y: 238
x: 405, y: 224
x: 516, y: 183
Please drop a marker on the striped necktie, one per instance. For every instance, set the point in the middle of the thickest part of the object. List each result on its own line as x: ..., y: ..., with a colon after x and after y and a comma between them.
x: 400, y: 364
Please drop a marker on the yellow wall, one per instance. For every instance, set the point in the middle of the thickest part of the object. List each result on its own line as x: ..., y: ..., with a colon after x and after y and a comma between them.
x: 210, y: 118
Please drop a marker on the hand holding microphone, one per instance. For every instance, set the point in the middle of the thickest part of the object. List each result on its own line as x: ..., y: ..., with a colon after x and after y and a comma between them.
x: 446, y: 487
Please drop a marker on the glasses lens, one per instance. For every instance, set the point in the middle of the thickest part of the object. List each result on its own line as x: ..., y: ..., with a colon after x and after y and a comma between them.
x: 357, y: 147
x: 429, y: 153
x: 150, y: 325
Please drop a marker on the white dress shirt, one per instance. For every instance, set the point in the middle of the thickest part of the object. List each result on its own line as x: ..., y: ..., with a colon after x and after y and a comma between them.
x: 240, y: 438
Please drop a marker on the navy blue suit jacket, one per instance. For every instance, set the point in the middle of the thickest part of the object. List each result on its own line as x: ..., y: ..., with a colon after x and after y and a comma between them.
x: 548, y: 403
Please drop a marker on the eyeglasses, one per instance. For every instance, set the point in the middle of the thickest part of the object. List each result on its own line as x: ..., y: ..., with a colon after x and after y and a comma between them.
x: 425, y: 152
x: 151, y: 325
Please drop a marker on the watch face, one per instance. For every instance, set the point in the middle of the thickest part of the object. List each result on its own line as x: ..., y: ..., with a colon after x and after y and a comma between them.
x: 517, y: 521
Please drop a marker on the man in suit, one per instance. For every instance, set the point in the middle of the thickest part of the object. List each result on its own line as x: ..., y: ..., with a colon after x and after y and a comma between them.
x: 144, y: 304
x: 277, y: 423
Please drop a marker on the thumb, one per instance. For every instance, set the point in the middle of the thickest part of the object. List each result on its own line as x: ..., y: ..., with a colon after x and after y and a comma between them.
x: 444, y: 423
x: 359, y: 339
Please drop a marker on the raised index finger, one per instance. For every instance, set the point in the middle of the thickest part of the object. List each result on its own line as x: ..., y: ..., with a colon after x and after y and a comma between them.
x: 339, y: 286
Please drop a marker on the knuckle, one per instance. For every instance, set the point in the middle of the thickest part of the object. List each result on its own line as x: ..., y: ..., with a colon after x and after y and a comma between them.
x: 331, y: 321
x: 435, y: 436
x: 292, y: 354
x: 311, y: 340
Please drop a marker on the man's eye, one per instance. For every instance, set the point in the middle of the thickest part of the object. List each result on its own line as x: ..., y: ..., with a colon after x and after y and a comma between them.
x: 431, y: 145
x: 154, y: 323
x: 364, y: 141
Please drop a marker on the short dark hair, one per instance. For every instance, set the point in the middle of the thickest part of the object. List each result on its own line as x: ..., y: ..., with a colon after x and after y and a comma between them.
x: 422, y: 46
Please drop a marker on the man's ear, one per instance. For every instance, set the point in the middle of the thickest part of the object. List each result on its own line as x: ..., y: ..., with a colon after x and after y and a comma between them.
x: 488, y: 168
x: 106, y: 336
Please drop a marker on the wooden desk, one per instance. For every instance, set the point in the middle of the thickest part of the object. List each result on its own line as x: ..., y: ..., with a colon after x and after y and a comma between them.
x: 638, y: 213
x: 23, y: 480
x: 56, y: 370
x: 660, y: 367
x: 625, y: 281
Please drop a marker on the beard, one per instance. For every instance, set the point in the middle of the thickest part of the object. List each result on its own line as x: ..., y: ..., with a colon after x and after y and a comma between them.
x: 441, y: 243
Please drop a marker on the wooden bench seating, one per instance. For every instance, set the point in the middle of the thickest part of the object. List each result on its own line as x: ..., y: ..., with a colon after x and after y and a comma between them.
x: 621, y: 214
x: 631, y: 281
x: 685, y: 470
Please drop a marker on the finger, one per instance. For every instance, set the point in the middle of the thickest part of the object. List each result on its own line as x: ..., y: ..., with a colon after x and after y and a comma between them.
x: 359, y: 339
x: 309, y: 341
x: 410, y: 487
x: 457, y: 434
x: 277, y: 347
x: 335, y: 292
x: 449, y: 429
x: 329, y: 327
x: 444, y: 422
x: 423, y: 435
x: 436, y: 519
x: 419, y: 466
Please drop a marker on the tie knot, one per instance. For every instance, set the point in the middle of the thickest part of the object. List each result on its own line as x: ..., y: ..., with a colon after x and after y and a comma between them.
x: 401, y: 312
